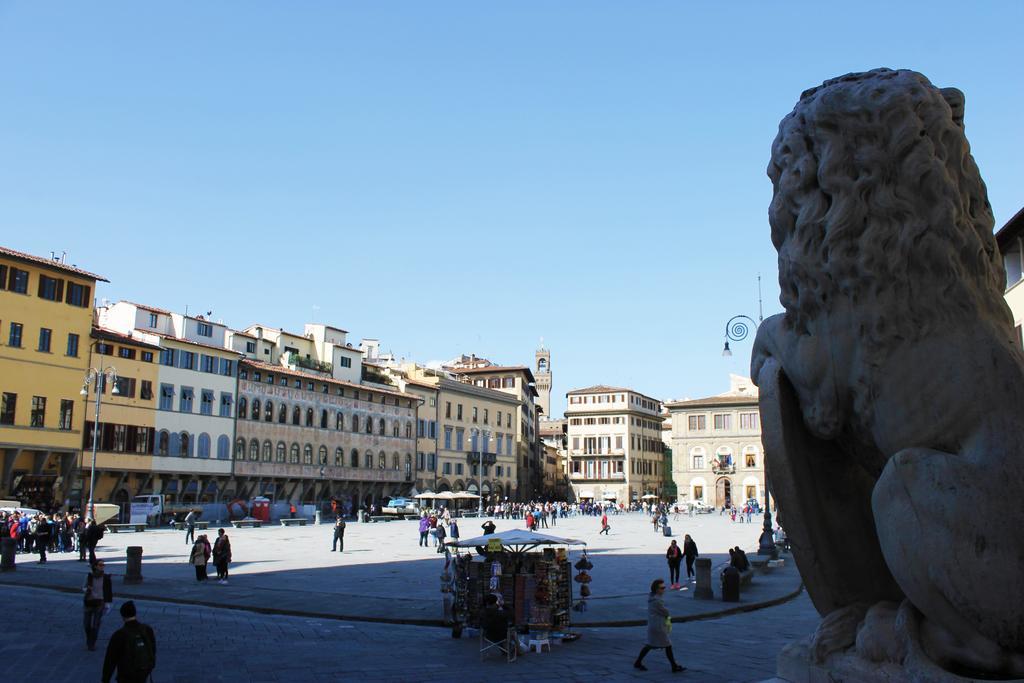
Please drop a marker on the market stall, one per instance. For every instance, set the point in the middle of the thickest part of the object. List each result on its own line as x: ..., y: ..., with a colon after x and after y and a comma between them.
x: 530, y: 573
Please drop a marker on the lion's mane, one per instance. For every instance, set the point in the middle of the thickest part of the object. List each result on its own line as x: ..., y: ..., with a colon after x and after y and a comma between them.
x: 877, y: 200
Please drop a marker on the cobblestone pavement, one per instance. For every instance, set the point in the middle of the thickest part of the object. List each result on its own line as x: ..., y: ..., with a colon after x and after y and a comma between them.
x: 45, y: 644
x: 383, y: 572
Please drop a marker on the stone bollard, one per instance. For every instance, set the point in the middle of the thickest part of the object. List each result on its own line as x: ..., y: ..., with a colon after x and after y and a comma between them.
x: 133, y: 566
x: 703, y: 589
x: 730, y: 584
x: 8, y: 546
x: 316, y: 517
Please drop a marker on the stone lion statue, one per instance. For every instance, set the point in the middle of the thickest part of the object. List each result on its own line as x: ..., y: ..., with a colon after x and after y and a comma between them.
x: 892, y: 388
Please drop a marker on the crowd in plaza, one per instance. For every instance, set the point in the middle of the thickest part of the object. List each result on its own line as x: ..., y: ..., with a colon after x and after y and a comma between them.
x: 58, y: 533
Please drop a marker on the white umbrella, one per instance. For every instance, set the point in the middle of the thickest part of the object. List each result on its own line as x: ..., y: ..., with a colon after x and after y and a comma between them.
x: 444, y: 495
x: 427, y: 494
x: 464, y: 495
x: 649, y: 496
x: 516, y: 540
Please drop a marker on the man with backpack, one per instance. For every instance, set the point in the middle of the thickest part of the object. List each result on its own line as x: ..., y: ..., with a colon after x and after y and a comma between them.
x: 131, y: 651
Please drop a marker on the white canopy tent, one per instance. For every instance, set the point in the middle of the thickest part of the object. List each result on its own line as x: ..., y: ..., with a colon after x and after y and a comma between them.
x: 515, y: 540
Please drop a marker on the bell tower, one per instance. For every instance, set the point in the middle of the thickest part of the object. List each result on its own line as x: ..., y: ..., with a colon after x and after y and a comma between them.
x: 542, y: 373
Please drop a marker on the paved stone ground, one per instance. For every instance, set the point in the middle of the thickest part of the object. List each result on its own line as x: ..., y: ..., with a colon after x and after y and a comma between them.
x: 45, y: 643
x: 383, y: 573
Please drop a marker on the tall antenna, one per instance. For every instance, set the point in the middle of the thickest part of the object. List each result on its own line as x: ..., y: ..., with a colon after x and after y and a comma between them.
x: 760, y: 307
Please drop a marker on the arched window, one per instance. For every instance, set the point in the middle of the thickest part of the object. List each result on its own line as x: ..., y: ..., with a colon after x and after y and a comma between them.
x: 240, y: 449
x: 354, y: 458
x: 382, y: 461
x: 322, y: 455
x: 339, y: 457
x: 369, y: 425
x: 255, y: 409
x: 394, y: 428
x: 381, y: 427
x: 163, y: 443
x: 186, y: 445
x: 296, y: 415
x: 408, y: 430
x: 223, y: 447
x: 268, y: 451
x: 279, y: 452
x: 282, y: 414
x: 254, y: 450
x: 724, y: 457
x: 242, y: 405
x: 268, y: 412
x: 394, y: 461
x: 309, y: 417
x: 323, y: 419
x: 339, y: 420
x: 408, y: 464
x: 293, y: 455
x: 369, y: 459
x: 204, y: 445
x: 355, y: 423
x: 307, y: 455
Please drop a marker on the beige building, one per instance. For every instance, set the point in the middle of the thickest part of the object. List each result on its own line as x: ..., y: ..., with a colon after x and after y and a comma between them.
x: 716, y: 446
x: 517, y: 381
x: 1011, y: 244
x: 473, y: 427
x: 614, y: 444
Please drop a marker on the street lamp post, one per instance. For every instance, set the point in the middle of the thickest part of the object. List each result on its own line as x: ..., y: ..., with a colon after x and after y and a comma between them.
x: 736, y: 330
x: 98, y: 376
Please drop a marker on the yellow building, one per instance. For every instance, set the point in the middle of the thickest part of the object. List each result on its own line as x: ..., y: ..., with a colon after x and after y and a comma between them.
x: 45, y: 321
x: 126, y: 440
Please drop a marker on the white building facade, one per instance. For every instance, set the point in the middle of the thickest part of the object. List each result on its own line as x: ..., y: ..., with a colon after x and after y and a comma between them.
x: 614, y: 450
x: 716, y: 446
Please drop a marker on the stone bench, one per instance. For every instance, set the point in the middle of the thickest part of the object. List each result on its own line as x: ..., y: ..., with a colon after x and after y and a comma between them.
x: 201, y: 525
x: 243, y: 523
x: 293, y: 521
x: 115, y: 528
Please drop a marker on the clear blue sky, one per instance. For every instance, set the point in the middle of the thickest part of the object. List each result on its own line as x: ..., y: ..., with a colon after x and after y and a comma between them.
x: 456, y: 177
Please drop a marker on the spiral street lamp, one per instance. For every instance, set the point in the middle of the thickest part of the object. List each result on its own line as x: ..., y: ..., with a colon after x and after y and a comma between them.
x: 99, y: 377
x: 737, y: 329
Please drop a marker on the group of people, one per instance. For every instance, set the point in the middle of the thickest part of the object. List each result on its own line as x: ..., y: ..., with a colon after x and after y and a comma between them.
x: 58, y: 533
x: 438, y: 526
x: 220, y: 551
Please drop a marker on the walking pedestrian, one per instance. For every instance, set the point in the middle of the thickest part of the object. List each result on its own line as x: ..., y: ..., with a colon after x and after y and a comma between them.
x: 659, y: 627
x: 453, y: 529
x: 42, y: 537
x: 190, y: 527
x: 690, y: 552
x: 604, y: 525
x: 339, y: 535
x: 131, y: 650
x: 222, y: 556
x: 440, y: 537
x: 93, y: 534
x: 424, y: 530
x: 199, y: 556
x: 675, y: 557
x: 99, y: 593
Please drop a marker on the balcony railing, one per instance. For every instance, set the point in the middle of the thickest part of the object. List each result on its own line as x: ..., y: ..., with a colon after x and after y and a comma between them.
x: 473, y: 458
x: 617, y: 476
x: 723, y: 469
x: 310, y: 363
x: 290, y: 470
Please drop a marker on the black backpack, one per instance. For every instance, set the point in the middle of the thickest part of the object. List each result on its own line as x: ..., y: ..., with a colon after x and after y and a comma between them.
x: 138, y: 657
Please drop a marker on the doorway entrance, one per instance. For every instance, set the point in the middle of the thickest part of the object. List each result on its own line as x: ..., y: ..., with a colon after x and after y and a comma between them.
x: 723, y: 493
